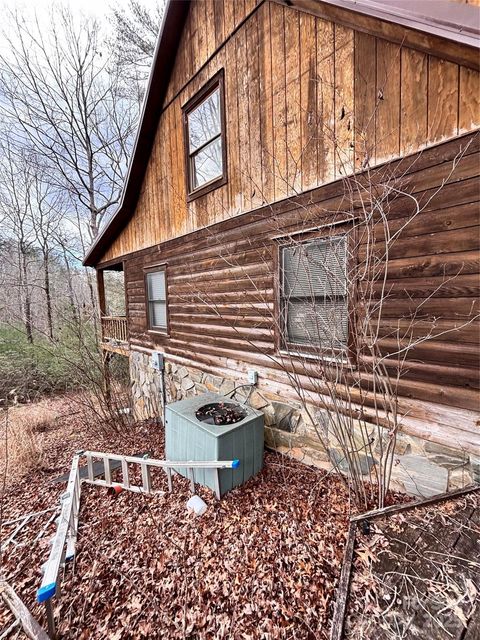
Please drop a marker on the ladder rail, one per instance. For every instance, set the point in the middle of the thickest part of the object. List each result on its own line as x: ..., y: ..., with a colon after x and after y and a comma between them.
x: 152, y: 462
x: 63, y: 547
x: 169, y: 466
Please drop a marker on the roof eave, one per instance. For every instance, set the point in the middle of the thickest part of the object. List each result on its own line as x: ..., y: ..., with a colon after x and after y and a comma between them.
x: 167, y: 44
x: 165, y: 50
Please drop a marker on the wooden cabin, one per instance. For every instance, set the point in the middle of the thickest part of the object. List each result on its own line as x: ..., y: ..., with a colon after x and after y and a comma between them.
x: 273, y: 131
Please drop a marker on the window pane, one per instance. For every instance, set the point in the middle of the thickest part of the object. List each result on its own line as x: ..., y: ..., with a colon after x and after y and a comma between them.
x: 315, y: 268
x: 207, y: 164
x: 320, y: 322
x: 204, y: 121
x: 156, y: 285
x: 158, y: 314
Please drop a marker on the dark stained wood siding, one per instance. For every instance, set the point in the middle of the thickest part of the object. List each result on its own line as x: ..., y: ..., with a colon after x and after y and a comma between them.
x: 307, y: 100
x: 221, y: 289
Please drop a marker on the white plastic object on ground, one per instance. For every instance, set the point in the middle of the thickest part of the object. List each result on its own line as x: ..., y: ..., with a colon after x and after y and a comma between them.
x: 197, y: 505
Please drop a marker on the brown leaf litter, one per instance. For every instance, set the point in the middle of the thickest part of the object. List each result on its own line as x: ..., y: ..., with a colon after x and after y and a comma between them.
x: 261, y: 563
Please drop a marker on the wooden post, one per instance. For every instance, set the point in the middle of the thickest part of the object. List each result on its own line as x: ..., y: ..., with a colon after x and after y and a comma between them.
x: 107, y: 380
x: 101, y: 292
x: 342, y: 589
x: 50, y: 620
x: 407, y: 506
x: 102, y: 307
x: 30, y: 626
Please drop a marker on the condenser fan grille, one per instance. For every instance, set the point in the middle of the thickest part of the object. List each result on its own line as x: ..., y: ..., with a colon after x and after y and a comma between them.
x: 221, y: 413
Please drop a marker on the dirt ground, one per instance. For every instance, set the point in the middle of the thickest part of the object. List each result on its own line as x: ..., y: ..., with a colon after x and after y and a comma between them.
x: 261, y: 563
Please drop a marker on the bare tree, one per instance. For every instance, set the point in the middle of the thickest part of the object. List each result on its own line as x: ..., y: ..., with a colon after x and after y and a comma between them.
x: 65, y: 251
x: 136, y: 29
x: 47, y: 214
x: 66, y: 101
x: 16, y: 190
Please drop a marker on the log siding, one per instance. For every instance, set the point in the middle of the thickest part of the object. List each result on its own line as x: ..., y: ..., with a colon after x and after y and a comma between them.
x: 222, y: 282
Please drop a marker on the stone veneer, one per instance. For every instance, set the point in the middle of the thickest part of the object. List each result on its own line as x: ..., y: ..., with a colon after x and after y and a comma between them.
x: 146, y: 387
x: 420, y: 467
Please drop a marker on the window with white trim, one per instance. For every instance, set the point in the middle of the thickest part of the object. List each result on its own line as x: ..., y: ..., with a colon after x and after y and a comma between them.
x: 157, y: 299
x: 313, y: 295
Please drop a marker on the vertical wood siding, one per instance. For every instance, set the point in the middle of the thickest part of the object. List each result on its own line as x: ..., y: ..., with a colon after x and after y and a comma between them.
x: 307, y: 101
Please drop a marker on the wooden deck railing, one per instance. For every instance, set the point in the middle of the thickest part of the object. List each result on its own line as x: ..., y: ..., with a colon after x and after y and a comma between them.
x: 115, y: 328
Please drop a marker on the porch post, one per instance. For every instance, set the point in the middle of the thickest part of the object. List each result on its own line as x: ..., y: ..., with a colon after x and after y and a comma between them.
x: 101, y: 297
x: 105, y: 355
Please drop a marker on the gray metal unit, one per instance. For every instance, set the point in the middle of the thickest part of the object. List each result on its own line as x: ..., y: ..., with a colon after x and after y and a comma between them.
x: 186, y: 438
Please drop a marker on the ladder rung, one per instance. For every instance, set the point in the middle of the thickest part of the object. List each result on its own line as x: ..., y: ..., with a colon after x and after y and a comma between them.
x: 106, y: 465
x: 126, y: 480
x: 192, y: 480
x: 90, y: 466
x: 217, y: 483
x: 146, y: 480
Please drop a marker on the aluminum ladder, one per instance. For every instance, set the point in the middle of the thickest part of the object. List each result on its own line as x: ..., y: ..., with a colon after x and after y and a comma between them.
x: 64, y: 541
x: 146, y: 465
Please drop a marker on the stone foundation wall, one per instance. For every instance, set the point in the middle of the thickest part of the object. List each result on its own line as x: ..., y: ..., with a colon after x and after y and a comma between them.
x: 420, y: 467
x: 146, y: 385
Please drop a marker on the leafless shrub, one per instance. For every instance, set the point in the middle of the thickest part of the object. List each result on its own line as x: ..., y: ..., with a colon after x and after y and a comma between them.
x: 101, y: 417
x: 349, y: 356
x: 104, y: 406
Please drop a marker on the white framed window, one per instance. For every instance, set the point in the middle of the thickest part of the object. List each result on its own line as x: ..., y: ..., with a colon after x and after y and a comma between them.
x: 157, y: 312
x: 313, y: 295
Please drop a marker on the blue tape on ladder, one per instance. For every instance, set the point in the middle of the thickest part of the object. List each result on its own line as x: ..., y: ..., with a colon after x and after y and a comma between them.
x: 46, y: 592
x: 235, y: 464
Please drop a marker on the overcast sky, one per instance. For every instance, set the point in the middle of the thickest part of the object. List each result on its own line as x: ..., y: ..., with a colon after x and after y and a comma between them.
x: 94, y: 7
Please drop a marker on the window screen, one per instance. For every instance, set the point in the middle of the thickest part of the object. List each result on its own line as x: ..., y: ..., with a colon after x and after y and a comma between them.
x: 157, y: 299
x: 314, y: 293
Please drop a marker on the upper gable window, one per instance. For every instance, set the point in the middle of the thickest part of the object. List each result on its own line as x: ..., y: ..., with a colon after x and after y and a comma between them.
x: 204, y: 126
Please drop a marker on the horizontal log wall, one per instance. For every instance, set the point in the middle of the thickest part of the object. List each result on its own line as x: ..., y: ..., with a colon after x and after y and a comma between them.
x: 221, y: 289
x: 307, y: 101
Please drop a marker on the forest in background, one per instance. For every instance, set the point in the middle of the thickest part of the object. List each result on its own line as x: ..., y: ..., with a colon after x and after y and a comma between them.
x: 71, y: 90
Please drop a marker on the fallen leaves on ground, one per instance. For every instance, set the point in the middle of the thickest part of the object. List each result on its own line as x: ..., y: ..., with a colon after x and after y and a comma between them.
x: 261, y: 563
